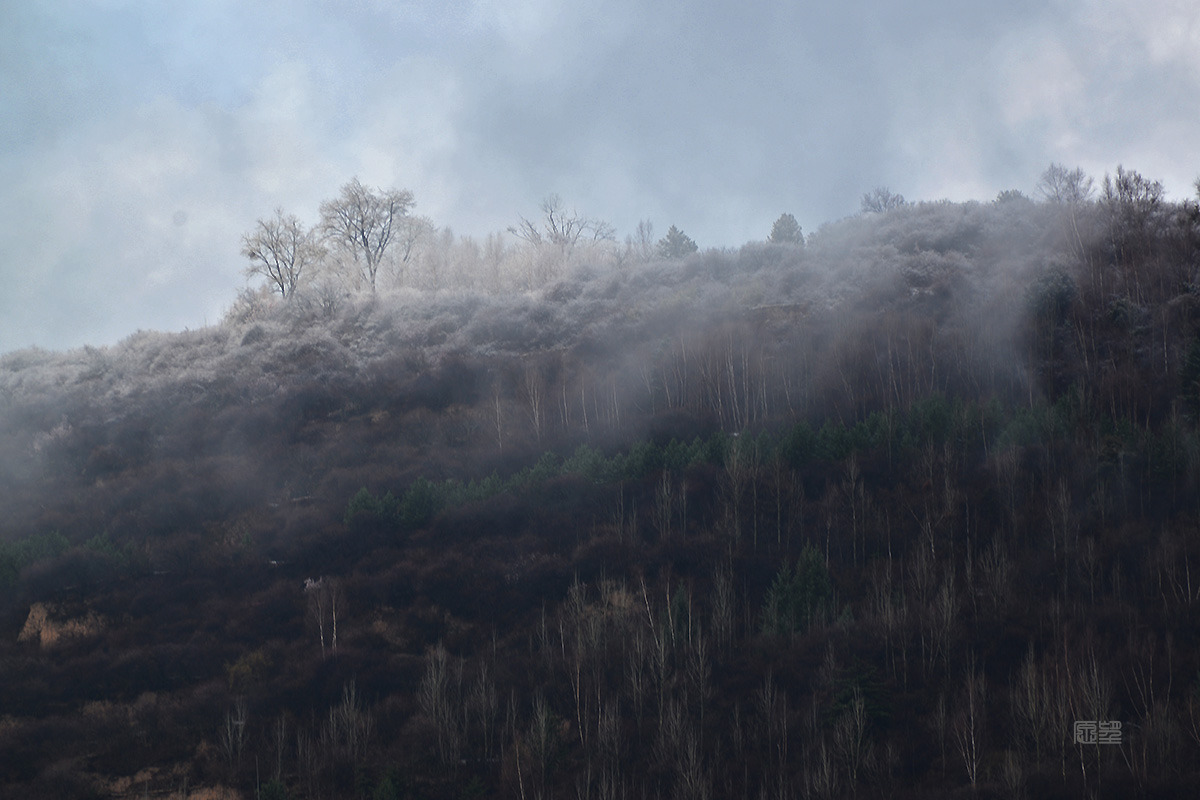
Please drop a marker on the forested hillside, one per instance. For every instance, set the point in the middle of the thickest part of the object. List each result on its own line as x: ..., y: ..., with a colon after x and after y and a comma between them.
x: 882, y: 512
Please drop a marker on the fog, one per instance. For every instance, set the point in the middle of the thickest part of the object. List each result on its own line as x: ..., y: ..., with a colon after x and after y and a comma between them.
x: 482, y: 350
x: 472, y: 358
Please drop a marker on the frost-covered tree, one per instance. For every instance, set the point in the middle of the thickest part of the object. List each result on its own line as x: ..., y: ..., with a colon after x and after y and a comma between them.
x: 282, y: 250
x: 1069, y: 186
x: 363, y: 223
x: 1134, y: 207
x: 881, y: 199
x: 676, y: 244
x: 641, y: 244
x: 561, y: 228
x: 786, y: 231
x: 414, y: 231
x: 1069, y: 189
x: 1128, y: 190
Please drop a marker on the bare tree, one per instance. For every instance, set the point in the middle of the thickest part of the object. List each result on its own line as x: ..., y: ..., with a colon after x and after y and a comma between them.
x: 534, y: 386
x: 723, y: 601
x: 850, y: 740
x: 348, y: 730
x: 417, y: 245
x: 364, y: 221
x: 881, y: 199
x: 437, y: 702
x: 282, y: 250
x: 642, y: 242
x: 233, y: 734
x: 1061, y: 185
x: 1030, y: 698
x: 969, y: 726
x: 543, y: 737
x: 561, y: 228
x: 279, y: 743
x: 1131, y: 203
x: 325, y: 595
x: 317, y: 605
x: 412, y: 231
x: 1070, y: 189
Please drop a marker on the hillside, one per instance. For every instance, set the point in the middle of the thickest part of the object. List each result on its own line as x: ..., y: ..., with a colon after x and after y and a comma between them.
x: 884, y: 514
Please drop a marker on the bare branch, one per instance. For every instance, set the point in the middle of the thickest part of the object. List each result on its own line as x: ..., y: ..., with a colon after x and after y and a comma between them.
x: 561, y: 228
x: 881, y: 199
x: 1060, y: 185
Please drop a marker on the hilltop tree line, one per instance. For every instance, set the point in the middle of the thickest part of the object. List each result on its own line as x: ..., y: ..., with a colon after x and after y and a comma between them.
x: 366, y: 234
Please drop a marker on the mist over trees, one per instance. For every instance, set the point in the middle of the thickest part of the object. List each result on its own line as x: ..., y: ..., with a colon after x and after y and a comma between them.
x: 883, y: 515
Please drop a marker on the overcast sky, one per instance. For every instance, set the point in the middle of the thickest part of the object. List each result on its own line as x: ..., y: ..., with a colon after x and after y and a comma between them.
x: 139, y: 140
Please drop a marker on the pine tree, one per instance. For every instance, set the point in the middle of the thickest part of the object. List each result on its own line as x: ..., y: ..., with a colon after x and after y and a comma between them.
x: 786, y: 231
x: 676, y: 244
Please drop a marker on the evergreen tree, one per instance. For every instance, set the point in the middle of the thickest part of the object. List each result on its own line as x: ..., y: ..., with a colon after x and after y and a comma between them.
x: 676, y: 244
x: 798, y: 595
x: 786, y: 231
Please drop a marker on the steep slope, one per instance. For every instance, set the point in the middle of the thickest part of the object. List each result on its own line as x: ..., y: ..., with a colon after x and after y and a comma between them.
x: 889, y: 511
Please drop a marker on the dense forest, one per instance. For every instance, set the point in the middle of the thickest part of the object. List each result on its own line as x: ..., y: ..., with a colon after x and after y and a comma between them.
x: 883, y: 511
